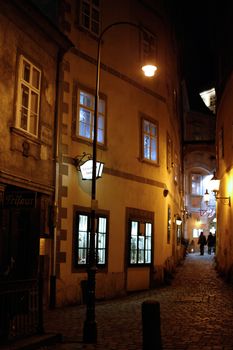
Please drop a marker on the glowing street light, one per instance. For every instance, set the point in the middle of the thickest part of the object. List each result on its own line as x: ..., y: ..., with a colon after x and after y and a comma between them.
x: 149, y: 70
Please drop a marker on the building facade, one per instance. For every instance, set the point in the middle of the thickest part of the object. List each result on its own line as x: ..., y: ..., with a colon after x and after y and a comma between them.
x: 224, y: 171
x: 224, y: 174
x: 30, y: 47
x: 140, y: 193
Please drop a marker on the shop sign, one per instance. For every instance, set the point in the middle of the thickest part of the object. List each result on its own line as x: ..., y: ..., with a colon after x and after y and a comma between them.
x: 19, y: 199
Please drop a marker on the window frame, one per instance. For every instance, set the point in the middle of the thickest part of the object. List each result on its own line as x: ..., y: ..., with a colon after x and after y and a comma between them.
x: 179, y: 230
x: 169, y: 153
x: 169, y: 224
x: 200, y: 182
x: 91, y: 7
x: 154, y: 123
x: 24, y: 85
x: 148, y: 45
x: 138, y: 251
x: 76, y: 236
x: 141, y: 217
x: 176, y: 169
x: 90, y: 109
x: 196, y: 232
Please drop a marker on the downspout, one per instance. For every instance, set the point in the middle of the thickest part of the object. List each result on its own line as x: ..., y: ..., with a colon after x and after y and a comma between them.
x: 57, y: 160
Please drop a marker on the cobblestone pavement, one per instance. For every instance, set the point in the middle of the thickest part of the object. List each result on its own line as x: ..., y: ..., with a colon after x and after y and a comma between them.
x: 196, y: 314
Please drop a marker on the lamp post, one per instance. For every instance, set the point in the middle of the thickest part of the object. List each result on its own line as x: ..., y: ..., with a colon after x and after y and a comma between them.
x: 90, y: 325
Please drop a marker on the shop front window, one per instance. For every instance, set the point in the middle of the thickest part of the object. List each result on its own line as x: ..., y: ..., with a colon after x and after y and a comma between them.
x: 82, y: 239
x: 140, y: 243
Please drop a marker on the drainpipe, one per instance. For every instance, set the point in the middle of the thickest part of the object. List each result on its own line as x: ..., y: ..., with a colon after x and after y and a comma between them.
x: 54, y: 209
x: 57, y: 160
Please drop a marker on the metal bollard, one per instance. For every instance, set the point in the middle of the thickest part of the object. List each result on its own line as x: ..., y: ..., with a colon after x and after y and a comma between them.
x: 151, y: 332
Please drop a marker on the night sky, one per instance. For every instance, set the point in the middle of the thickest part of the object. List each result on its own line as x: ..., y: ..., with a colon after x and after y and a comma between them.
x: 196, y: 29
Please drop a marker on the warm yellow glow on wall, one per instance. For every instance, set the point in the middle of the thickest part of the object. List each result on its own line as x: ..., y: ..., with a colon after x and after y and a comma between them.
x: 229, y: 185
x: 198, y: 223
x: 42, y: 246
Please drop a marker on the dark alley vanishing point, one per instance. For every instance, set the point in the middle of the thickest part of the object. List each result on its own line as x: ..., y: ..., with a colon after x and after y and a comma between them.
x: 196, y: 314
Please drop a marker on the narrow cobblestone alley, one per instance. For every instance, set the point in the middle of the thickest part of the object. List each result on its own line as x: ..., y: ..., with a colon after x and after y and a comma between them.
x: 196, y: 314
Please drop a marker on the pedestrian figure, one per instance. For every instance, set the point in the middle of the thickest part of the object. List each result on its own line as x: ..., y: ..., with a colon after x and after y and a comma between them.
x: 210, y: 242
x: 202, y: 242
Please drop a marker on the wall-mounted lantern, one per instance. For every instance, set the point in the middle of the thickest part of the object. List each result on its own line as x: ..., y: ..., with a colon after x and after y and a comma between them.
x: 206, y: 197
x: 178, y: 219
x: 86, y: 169
x: 85, y: 166
x: 215, y: 182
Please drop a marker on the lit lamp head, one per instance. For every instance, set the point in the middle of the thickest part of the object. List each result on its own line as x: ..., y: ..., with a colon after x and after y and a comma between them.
x: 178, y: 220
x: 215, y: 183
x: 206, y: 197
x: 149, y: 69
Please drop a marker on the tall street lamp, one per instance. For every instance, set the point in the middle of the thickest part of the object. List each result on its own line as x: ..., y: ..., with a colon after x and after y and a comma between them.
x: 90, y: 325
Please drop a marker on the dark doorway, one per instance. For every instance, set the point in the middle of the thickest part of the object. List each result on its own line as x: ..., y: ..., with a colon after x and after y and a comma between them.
x: 20, y: 311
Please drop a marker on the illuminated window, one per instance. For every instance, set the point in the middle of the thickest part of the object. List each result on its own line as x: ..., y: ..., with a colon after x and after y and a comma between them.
x: 28, y: 99
x: 150, y: 140
x: 169, y: 153
x: 196, y: 232
x: 196, y: 181
x: 140, y: 242
x: 169, y: 224
x: 90, y: 15
x: 82, y: 239
x: 176, y: 169
x: 86, y: 105
x: 178, y: 233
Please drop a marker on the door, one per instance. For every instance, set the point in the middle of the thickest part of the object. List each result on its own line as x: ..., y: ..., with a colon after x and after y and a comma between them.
x: 19, y: 257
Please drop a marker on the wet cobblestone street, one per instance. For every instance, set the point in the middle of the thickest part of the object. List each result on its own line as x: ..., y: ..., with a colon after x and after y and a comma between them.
x: 196, y: 314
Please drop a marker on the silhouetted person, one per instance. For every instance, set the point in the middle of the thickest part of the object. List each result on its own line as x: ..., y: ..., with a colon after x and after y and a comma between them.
x: 210, y: 242
x: 202, y: 242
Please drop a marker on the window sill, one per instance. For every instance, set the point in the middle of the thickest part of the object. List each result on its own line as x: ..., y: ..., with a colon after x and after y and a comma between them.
x: 83, y: 268
x: 139, y: 265
x: 149, y: 162
x: 89, y: 143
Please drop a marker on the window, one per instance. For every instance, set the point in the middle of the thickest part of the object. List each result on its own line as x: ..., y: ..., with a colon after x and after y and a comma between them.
x: 196, y: 181
x: 90, y: 15
x: 140, y: 242
x: 168, y: 224
x: 148, y: 46
x: 196, y: 232
x: 178, y: 233
x: 28, y: 99
x: 82, y: 239
x: 176, y: 169
x: 86, y: 105
x: 169, y: 153
x: 149, y: 140
x: 221, y: 143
